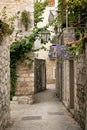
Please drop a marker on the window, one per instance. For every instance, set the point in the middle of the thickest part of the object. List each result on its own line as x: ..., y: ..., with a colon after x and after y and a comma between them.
x: 54, y: 73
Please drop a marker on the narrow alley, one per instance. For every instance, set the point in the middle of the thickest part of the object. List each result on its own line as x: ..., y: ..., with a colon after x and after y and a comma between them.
x: 47, y: 113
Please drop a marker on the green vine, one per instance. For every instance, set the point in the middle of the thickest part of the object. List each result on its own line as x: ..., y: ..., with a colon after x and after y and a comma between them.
x: 75, y: 51
x: 25, y: 19
x: 39, y: 10
x: 5, y: 29
x: 19, y: 49
x: 6, y: 24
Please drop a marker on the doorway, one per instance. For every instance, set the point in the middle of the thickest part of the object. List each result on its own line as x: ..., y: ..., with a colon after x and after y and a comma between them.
x: 39, y: 75
x: 71, y: 84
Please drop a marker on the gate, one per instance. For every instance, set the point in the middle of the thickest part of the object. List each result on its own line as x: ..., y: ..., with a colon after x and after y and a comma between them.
x: 39, y: 75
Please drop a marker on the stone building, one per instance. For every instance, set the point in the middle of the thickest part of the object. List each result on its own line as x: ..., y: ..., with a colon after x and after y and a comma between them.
x: 48, y: 15
x: 71, y: 84
x: 25, y: 81
x: 12, y: 8
x: 16, y: 7
x: 4, y: 83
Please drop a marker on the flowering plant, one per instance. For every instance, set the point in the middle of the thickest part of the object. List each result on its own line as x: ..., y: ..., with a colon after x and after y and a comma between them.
x: 60, y: 51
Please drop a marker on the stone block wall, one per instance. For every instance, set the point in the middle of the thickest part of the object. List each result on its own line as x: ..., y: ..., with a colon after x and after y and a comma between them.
x: 79, y: 84
x: 50, y: 64
x: 4, y: 83
x: 25, y: 79
x: 75, y: 86
x: 51, y: 71
x: 14, y: 6
x: 25, y: 83
x: 67, y: 35
x: 80, y: 112
x: 86, y: 84
x: 66, y: 84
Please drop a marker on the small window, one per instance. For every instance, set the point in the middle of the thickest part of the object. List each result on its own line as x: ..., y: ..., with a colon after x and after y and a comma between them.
x: 54, y: 73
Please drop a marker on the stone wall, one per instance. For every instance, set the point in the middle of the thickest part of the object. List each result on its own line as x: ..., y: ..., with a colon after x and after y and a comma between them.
x: 81, y: 91
x: 67, y: 34
x: 50, y: 71
x: 14, y: 6
x: 4, y: 83
x: 25, y: 82
x: 50, y: 64
x: 74, y: 84
x: 66, y: 84
x: 86, y: 84
x: 64, y: 87
x: 79, y: 79
x: 25, y: 75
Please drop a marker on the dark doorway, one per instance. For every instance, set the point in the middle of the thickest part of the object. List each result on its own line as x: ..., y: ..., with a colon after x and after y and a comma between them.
x: 39, y: 75
x: 71, y: 84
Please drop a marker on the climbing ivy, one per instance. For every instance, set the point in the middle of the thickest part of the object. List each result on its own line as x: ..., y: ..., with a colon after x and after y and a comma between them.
x: 6, y: 24
x: 19, y: 49
x: 39, y: 10
x: 76, y: 50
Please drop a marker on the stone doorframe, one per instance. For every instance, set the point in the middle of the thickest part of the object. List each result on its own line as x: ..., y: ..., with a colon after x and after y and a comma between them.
x: 59, y: 70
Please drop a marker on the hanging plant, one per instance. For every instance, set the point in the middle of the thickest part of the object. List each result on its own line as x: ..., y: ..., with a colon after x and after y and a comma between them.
x: 25, y: 19
x: 5, y: 30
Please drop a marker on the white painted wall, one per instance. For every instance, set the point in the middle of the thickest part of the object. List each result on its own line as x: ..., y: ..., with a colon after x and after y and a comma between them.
x: 44, y: 54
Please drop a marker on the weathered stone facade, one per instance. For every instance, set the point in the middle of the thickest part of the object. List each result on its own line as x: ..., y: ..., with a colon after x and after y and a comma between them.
x: 81, y: 92
x: 51, y: 71
x: 15, y: 6
x: 67, y: 35
x: 25, y: 75
x: 86, y: 85
x: 73, y: 89
x: 66, y: 84
x: 25, y: 84
x: 4, y: 83
x: 50, y: 64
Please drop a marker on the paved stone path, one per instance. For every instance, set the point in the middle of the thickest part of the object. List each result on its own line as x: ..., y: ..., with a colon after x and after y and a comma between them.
x: 47, y: 113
